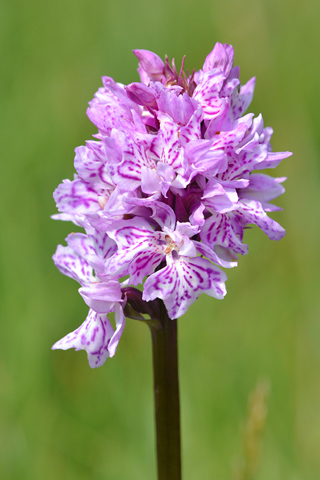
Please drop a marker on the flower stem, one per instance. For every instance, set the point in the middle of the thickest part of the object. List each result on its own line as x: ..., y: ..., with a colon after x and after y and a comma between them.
x: 166, y: 393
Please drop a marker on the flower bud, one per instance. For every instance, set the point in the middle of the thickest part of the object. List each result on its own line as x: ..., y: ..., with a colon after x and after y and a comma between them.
x: 141, y: 94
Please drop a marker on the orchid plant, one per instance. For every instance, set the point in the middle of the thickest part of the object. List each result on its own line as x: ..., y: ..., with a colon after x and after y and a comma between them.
x: 164, y: 194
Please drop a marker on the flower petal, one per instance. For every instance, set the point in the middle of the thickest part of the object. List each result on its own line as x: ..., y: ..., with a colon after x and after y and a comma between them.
x: 181, y: 282
x: 244, y: 98
x: 73, y: 265
x: 93, y: 336
x: 262, y: 188
x: 120, y: 323
x: 151, y: 64
x: 76, y: 197
x: 221, y: 57
x: 253, y: 213
x: 90, y: 162
x: 138, y: 250
x: 179, y: 107
x: 161, y: 213
x: 224, y: 230
x: 101, y: 296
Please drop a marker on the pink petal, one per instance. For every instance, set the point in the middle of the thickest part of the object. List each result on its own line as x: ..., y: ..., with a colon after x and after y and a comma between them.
x: 181, y: 282
x: 93, y: 336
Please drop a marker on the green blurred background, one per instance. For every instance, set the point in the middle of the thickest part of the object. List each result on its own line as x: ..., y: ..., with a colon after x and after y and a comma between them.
x: 59, y: 418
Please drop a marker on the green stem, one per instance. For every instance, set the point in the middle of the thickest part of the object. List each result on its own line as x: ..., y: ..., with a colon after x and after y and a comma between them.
x: 166, y: 392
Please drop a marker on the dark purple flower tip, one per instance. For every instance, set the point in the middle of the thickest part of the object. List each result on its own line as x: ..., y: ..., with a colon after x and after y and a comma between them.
x: 141, y: 94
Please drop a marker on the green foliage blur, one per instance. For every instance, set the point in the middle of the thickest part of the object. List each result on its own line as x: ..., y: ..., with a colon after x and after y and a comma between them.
x: 59, y: 418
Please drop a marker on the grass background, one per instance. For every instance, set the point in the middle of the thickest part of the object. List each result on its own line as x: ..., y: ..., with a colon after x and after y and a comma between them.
x: 59, y: 418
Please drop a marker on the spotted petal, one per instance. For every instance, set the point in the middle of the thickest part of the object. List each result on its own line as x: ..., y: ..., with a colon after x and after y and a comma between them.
x: 253, y: 212
x: 73, y: 265
x: 166, y: 146
x: 90, y: 163
x: 182, y: 281
x: 96, y: 336
x: 127, y: 173
x: 76, y: 197
x: 224, y: 230
x: 243, y: 100
x: 207, y: 93
x: 94, y: 248
x: 138, y: 253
